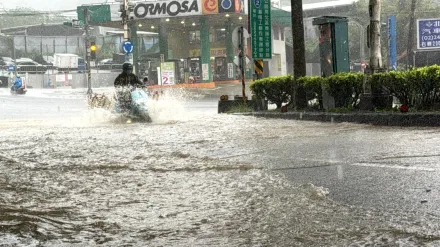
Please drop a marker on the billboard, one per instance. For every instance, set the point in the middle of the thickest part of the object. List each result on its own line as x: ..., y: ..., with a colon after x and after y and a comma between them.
x: 210, y: 7
x: 162, y: 9
x: 428, y: 34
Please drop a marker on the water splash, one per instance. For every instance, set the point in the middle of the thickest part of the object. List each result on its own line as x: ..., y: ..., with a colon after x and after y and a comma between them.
x: 170, y: 107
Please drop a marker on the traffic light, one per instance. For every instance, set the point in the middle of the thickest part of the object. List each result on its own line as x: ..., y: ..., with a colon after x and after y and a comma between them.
x: 93, y: 50
x: 126, y: 12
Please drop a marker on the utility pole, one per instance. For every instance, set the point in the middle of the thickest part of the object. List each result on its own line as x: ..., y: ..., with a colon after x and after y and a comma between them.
x: 88, y: 52
x: 242, y: 62
x: 14, y: 55
x: 373, y: 42
x: 125, y: 19
x: 299, y: 53
x: 375, y: 47
x: 410, y: 45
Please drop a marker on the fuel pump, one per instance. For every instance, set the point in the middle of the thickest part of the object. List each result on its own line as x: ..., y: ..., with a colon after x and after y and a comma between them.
x: 195, y: 69
x: 221, y: 68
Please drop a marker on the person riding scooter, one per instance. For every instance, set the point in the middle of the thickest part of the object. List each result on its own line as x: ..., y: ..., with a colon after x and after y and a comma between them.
x: 18, y: 83
x: 124, y: 84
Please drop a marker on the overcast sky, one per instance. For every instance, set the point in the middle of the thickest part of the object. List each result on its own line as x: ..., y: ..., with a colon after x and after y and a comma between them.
x: 47, y: 5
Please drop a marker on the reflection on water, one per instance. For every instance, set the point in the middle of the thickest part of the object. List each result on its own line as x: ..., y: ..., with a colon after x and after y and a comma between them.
x: 171, y: 183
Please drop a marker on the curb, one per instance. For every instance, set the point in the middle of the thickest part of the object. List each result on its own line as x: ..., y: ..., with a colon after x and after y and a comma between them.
x: 194, y: 85
x: 382, y: 119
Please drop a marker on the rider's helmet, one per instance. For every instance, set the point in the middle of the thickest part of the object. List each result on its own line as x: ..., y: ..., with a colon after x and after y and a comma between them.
x: 18, y: 76
x: 127, y: 68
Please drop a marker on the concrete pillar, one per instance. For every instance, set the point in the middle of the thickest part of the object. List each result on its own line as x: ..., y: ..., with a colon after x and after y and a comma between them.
x: 163, y: 40
x: 134, y: 39
x: 41, y: 47
x: 205, y: 49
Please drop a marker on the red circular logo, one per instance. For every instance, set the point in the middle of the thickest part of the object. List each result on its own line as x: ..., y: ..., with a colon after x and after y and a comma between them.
x: 210, y: 5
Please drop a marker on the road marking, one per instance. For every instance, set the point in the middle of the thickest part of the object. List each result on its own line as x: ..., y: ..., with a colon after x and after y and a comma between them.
x: 335, y: 163
x: 410, y: 156
x: 378, y: 165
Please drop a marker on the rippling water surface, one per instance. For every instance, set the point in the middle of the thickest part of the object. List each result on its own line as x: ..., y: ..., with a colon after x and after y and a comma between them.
x: 89, y: 180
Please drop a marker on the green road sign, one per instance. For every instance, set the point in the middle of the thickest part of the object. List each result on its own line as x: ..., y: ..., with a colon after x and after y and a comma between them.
x: 261, y: 29
x: 98, y: 13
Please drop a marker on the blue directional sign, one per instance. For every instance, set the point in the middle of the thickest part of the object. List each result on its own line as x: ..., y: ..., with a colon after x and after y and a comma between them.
x: 428, y: 34
x: 11, y: 67
x: 127, y: 46
x: 392, y: 42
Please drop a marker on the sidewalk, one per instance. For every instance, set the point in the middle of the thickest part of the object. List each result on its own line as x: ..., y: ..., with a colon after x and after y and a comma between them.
x: 420, y: 119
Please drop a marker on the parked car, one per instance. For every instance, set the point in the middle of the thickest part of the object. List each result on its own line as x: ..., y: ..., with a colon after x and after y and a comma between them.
x: 23, y: 59
x: 31, y: 67
x: 81, y: 65
x: 105, y: 64
x: 5, y: 62
x: 108, y: 64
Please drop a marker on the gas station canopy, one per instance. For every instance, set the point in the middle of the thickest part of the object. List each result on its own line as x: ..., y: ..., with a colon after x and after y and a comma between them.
x: 195, y: 35
x: 159, y: 11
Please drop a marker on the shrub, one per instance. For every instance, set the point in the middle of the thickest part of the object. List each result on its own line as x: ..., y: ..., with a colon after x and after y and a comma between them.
x: 397, y: 83
x: 276, y: 90
x: 415, y: 88
x: 425, y: 81
x: 313, y: 87
x: 240, y: 108
x: 419, y: 88
x: 345, y: 88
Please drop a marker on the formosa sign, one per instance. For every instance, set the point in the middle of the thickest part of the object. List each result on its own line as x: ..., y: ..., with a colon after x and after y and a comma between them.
x: 162, y: 9
x: 167, y: 9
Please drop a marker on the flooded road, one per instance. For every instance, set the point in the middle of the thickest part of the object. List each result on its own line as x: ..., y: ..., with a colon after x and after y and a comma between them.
x: 73, y: 177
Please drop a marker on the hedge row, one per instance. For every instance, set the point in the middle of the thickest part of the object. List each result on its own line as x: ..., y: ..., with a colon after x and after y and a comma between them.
x: 276, y: 90
x: 416, y: 87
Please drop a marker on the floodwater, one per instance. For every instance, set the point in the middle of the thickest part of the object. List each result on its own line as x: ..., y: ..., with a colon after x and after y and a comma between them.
x: 87, y: 180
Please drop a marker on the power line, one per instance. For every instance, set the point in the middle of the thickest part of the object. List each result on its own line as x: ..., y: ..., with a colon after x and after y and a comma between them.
x: 14, y: 13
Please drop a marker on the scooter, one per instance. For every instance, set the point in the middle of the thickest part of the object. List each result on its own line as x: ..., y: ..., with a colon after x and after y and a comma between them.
x: 138, y: 109
x: 20, y: 90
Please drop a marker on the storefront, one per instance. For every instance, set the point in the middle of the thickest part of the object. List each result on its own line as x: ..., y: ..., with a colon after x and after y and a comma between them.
x: 195, y: 37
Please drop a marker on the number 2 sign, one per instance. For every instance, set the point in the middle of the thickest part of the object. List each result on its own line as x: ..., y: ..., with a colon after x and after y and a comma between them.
x: 167, y: 73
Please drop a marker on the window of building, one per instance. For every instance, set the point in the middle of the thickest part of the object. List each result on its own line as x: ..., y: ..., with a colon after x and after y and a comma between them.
x: 194, y: 37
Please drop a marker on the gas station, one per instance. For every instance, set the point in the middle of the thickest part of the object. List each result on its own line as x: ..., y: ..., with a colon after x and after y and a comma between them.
x: 196, y: 39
